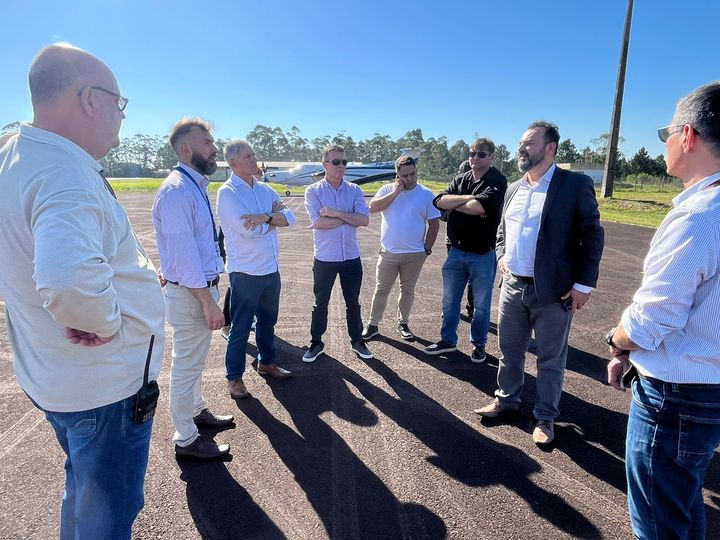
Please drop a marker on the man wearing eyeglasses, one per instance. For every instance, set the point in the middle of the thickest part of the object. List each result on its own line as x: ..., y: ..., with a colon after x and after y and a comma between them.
x: 81, y: 295
x: 667, y: 342
x: 549, y: 245
x: 336, y: 209
x: 191, y: 264
x: 473, y: 201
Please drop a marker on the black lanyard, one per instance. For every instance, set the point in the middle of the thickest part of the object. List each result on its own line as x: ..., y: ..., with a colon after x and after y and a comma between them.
x: 205, y: 198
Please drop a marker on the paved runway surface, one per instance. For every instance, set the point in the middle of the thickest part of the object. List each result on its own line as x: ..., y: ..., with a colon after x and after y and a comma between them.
x: 385, y: 448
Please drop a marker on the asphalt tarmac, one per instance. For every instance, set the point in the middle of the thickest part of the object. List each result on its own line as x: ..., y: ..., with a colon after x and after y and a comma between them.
x: 382, y: 448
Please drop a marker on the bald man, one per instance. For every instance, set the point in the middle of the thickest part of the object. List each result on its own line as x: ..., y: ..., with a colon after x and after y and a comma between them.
x: 81, y: 295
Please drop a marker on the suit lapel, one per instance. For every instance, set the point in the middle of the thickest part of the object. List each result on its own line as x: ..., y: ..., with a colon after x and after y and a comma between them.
x: 555, y: 184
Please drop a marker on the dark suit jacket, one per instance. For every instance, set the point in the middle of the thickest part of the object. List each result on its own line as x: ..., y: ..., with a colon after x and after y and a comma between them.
x: 570, y: 241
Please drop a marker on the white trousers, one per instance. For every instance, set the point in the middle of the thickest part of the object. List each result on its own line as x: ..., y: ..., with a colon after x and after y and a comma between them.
x: 191, y: 342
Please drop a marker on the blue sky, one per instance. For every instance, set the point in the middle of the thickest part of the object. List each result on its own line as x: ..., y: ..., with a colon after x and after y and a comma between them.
x: 454, y: 68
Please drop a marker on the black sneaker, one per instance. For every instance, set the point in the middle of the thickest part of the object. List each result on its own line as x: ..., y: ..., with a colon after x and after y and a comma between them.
x: 405, y: 332
x: 313, y: 352
x: 440, y: 347
x: 478, y: 355
x: 370, y: 331
x: 361, y: 350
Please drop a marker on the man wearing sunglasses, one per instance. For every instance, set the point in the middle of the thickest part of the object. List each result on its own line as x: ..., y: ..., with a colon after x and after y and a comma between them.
x: 667, y: 342
x: 473, y: 201
x: 336, y: 209
x: 549, y: 245
x: 81, y: 295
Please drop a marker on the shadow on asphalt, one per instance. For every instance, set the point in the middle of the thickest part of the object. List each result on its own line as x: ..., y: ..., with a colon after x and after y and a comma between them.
x: 220, y: 507
x: 350, y: 499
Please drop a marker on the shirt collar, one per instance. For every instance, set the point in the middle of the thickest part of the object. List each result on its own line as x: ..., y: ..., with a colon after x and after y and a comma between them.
x: 692, y: 190
x: 201, y: 179
x: 330, y: 186
x: 48, y: 137
x: 545, y: 178
x: 240, y: 183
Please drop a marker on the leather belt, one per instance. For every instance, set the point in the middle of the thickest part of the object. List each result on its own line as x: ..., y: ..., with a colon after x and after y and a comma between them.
x: 525, y: 279
x: 209, y: 283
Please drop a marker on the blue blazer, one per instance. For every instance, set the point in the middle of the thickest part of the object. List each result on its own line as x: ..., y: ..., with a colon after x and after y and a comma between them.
x: 570, y: 241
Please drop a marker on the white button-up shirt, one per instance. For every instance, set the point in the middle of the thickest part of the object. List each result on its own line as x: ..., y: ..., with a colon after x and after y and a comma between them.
x: 254, y: 252
x: 674, y: 314
x: 185, y: 231
x: 522, y: 226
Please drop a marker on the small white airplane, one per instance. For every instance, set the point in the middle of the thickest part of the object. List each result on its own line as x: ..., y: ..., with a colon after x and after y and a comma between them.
x: 359, y: 173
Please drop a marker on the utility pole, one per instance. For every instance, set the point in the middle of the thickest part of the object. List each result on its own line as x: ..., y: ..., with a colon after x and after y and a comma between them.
x: 611, y: 158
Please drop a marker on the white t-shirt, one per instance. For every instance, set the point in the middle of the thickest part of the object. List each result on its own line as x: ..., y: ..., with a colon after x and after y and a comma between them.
x: 404, y: 221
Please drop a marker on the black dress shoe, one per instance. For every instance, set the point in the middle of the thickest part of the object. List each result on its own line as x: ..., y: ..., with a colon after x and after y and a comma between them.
x: 202, y: 449
x: 208, y: 419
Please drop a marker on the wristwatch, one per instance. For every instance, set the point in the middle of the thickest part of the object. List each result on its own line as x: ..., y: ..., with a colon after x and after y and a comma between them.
x: 269, y: 215
x: 609, y: 337
x: 428, y: 251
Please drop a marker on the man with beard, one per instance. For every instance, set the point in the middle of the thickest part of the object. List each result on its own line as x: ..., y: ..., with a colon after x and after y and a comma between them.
x: 473, y: 200
x: 250, y: 212
x: 549, y: 245
x: 190, y: 263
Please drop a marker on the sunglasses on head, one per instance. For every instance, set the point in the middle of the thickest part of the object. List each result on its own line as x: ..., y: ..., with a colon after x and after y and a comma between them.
x: 481, y: 155
x: 337, y: 162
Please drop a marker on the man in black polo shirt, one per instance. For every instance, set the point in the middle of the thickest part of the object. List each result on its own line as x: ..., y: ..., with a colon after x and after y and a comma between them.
x: 474, y: 201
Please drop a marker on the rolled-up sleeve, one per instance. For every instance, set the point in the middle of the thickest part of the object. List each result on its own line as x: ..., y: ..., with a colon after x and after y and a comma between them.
x: 285, y: 211
x: 679, y: 260
x: 71, y: 271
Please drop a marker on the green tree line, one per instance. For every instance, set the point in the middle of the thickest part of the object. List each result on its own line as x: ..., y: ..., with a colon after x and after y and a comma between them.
x: 150, y: 155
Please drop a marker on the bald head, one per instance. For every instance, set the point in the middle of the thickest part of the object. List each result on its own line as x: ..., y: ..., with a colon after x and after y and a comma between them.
x: 59, y: 68
x: 75, y: 95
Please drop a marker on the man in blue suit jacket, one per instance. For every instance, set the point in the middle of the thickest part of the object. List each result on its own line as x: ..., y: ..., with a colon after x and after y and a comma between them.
x: 549, y: 246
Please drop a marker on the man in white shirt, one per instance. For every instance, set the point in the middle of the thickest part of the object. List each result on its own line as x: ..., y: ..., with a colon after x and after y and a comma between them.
x: 549, y: 245
x: 668, y: 341
x: 409, y: 228
x: 249, y: 213
x: 81, y: 295
x: 190, y: 262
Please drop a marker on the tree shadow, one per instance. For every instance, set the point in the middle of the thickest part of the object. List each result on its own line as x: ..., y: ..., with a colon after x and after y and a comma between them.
x: 350, y: 499
x: 219, y: 506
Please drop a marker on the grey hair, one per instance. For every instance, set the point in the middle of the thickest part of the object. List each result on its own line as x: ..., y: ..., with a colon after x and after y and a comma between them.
x: 701, y: 109
x: 234, y: 147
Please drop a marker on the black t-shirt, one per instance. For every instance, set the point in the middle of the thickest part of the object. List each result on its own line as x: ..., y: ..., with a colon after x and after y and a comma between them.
x: 470, y: 233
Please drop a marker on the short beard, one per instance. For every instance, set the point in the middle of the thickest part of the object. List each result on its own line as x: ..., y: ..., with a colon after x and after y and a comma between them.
x: 202, y: 165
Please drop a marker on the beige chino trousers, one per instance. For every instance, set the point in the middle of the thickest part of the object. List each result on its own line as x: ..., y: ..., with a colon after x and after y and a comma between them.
x: 389, y: 266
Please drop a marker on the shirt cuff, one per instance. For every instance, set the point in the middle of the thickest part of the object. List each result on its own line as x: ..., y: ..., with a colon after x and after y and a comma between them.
x: 639, y: 329
x: 583, y: 288
x: 193, y: 280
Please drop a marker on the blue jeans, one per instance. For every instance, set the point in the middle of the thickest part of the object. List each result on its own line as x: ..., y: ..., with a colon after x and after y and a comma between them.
x: 107, y: 456
x: 460, y: 268
x: 252, y: 296
x: 673, y: 431
x: 324, y: 274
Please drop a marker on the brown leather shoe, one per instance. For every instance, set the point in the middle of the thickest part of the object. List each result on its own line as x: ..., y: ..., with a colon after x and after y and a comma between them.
x: 237, y: 389
x: 544, y: 432
x: 208, y: 419
x: 274, y: 371
x: 202, y: 448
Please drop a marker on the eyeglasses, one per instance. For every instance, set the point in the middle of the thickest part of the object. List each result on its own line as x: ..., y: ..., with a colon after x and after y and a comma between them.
x: 481, y: 155
x: 121, y: 101
x: 336, y: 162
x: 664, y: 133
